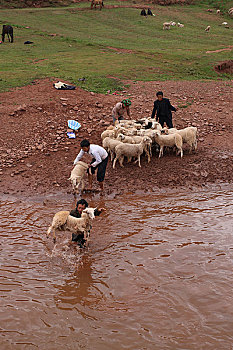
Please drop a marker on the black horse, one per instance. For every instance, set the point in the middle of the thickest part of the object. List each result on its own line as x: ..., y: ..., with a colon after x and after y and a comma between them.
x: 6, y: 29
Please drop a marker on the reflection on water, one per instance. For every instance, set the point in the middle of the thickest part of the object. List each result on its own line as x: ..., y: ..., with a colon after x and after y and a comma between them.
x: 157, y: 275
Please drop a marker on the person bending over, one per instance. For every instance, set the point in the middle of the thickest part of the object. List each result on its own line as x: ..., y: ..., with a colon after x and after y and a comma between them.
x: 99, y: 161
x: 119, y: 110
x: 163, y: 108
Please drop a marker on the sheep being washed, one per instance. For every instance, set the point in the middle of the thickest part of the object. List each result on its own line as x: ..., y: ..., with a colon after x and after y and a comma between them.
x: 63, y: 221
x: 77, y: 176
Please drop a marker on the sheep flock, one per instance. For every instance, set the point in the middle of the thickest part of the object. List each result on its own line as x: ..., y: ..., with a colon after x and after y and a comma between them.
x: 131, y: 139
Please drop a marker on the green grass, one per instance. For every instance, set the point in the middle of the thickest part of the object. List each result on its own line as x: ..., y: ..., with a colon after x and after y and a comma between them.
x: 82, y: 46
x: 223, y: 5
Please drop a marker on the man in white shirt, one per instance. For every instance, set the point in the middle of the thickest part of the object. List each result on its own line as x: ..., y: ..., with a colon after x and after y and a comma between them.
x: 119, y: 110
x: 99, y: 161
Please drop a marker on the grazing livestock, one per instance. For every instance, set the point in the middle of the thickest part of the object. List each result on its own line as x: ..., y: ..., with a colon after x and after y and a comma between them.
x: 95, y: 3
x: 6, y: 29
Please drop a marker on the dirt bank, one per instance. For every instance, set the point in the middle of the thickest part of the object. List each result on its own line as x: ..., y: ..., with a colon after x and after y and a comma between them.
x: 37, y: 156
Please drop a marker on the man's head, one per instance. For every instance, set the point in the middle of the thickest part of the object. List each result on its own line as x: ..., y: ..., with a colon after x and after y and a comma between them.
x: 85, y: 145
x: 126, y: 102
x: 81, y: 205
x: 159, y: 95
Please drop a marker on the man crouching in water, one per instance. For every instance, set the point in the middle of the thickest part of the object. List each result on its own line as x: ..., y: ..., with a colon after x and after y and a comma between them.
x: 77, y: 212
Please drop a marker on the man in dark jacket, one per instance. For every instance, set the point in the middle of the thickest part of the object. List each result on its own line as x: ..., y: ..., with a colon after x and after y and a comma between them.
x: 77, y: 212
x: 163, y: 108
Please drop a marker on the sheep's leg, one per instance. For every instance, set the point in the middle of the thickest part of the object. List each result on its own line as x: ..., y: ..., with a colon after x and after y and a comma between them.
x: 148, y: 154
x: 114, y: 162
x: 180, y: 151
x: 83, y: 185
x: 139, y: 161
x: 195, y: 145
x: 49, y: 231
x: 150, y: 151
x: 86, y: 237
x: 190, y: 143
x: 121, y: 161
x: 52, y: 229
x: 54, y: 236
x: 161, y: 151
x: 112, y: 155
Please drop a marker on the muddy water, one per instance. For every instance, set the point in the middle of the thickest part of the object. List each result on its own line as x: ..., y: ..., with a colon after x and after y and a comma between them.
x: 157, y: 275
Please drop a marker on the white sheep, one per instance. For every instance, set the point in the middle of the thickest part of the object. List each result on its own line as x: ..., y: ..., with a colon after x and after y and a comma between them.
x: 131, y: 150
x: 218, y: 12
x: 125, y: 138
x: 207, y: 29
x: 180, y: 25
x: 126, y: 123
x: 107, y: 133
x: 77, y: 175
x: 110, y: 144
x: 129, y: 131
x: 169, y: 141
x: 63, y: 221
x: 189, y: 135
x: 167, y: 25
x: 135, y: 139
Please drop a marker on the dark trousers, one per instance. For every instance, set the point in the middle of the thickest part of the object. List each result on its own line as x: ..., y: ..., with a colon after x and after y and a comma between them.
x: 167, y: 120
x: 101, y: 169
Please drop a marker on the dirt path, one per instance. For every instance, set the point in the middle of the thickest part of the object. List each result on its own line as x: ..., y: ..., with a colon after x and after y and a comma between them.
x: 37, y: 156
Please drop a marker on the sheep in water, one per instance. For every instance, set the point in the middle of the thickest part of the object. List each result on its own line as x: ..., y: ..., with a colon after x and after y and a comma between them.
x: 132, y: 150
x: 6, y: 29
x: 77, y: 175
x: 63, y: 221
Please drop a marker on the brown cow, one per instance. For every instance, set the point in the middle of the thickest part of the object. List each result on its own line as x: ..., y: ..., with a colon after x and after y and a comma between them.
x: 95, y: 3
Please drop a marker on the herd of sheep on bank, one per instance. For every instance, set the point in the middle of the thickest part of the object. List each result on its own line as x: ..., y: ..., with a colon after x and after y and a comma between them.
x: 130, y: 138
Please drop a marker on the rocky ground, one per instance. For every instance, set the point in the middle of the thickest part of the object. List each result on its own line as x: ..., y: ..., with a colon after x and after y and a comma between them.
x: 37, y: 156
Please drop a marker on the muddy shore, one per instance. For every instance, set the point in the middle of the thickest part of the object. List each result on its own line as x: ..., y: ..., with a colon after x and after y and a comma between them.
x: 37, y: 156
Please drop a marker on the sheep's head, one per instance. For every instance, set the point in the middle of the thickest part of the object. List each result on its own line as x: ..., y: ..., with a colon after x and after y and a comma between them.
x: 157, y: 133
x: 147, y: 140
x: 90, y: 212
x: 121, y: 136
x: 164, y: 131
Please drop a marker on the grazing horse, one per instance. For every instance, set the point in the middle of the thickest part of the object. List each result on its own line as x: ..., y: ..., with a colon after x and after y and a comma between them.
x: 9, y: 31
x: 95, y: 3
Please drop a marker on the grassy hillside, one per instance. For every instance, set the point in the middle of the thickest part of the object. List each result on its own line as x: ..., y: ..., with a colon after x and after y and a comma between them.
x: 112, y: 43
x: 223, y: 5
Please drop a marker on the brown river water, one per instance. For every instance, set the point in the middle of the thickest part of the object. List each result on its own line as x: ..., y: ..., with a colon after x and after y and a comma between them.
x: 158, y: 274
